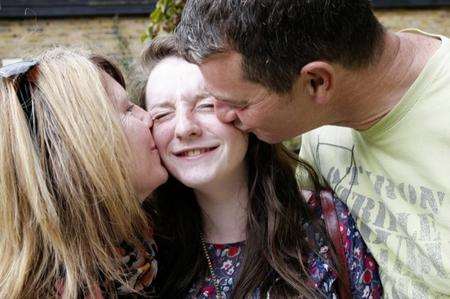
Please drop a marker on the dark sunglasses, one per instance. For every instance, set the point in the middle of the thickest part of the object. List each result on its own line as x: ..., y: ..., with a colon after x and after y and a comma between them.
x: 18, y: 72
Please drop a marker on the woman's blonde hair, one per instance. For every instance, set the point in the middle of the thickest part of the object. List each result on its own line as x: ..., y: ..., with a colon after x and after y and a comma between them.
x: 65, y: 196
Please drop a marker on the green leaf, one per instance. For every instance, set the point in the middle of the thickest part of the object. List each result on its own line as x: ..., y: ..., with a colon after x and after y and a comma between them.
x: 164, y: 18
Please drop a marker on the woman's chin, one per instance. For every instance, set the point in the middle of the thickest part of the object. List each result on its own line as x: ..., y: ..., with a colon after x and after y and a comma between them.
x: 164, y: 176
x: 156, y: 180
x: 159, y: 178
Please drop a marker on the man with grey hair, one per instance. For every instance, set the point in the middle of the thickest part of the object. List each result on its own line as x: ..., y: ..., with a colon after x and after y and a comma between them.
x: 279, y: 68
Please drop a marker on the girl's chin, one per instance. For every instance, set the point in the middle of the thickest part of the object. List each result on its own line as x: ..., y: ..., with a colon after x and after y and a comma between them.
x: 196, y: 183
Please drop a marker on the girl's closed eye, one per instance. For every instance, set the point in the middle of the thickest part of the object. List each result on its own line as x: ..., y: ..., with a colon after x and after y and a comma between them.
x: 161, y: 116
x: 206, y: 106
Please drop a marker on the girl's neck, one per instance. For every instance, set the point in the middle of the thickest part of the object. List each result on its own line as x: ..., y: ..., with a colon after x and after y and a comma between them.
x: 224, y: 208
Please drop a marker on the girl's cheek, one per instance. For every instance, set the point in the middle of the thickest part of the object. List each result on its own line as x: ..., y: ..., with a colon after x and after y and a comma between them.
x: 162, y: 135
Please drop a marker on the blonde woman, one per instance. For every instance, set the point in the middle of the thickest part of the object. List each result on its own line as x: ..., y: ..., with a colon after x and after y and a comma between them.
x: 77, y: 159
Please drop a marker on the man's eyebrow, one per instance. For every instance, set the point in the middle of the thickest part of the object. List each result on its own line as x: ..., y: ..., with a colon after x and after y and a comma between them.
x: 203, y: 95
x: 235, y: 103
x: 219, y: 98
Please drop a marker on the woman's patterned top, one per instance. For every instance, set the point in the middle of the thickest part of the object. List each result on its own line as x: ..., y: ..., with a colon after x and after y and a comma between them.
x: 227, y: 260
x: 140, y: 268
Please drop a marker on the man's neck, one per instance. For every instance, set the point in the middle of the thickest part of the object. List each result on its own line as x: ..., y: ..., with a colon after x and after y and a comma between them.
x: 224, y: 209
x: 366, y: 96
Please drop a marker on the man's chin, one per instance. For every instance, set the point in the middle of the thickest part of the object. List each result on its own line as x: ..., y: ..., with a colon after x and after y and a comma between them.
x: 273, y: 138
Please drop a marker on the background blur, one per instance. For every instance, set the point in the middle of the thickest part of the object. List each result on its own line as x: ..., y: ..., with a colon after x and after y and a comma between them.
x: 116, y: 27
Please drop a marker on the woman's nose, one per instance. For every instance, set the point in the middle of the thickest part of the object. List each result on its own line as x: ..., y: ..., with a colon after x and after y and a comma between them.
x: 187, y: 127
x: 145, y: 117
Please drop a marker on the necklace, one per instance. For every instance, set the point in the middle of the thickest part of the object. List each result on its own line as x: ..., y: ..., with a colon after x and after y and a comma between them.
x: 210, y: 267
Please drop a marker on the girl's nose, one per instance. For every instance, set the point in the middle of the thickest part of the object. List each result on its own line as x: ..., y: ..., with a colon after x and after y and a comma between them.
x: 186, y: 127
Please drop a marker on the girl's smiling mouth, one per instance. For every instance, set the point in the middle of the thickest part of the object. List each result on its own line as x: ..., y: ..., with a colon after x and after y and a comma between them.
x: 195, y: 152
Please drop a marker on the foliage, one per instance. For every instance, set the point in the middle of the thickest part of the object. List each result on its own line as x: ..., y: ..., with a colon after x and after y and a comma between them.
x: 293, y: 144
x: 164, y: 18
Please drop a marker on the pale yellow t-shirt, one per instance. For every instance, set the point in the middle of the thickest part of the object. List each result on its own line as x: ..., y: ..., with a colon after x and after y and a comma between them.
x: 395, y: 178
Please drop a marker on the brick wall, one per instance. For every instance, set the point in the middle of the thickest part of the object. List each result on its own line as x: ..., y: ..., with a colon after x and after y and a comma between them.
x: 119, y: 37
x: 116, y: 37
x: 430, y: 20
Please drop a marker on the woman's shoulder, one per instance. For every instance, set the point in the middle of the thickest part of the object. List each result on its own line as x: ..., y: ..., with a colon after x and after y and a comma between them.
x: 140, y: 268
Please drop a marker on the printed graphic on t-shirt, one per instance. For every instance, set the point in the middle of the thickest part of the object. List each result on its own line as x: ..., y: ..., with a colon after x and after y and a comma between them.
x: 399, y: 221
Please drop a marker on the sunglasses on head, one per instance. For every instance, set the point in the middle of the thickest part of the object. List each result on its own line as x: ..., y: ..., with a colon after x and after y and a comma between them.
x: 18, y: 73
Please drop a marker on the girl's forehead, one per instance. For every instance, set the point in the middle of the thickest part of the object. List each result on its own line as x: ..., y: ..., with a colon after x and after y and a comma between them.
x: 187, y: 99
x: 174, y: 69
x: 174, y: 84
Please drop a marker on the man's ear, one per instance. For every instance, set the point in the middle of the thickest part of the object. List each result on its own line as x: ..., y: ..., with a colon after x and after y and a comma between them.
x: 317, y: 79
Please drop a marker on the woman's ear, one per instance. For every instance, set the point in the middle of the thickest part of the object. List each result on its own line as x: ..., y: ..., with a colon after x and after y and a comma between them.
x: 317, y: 79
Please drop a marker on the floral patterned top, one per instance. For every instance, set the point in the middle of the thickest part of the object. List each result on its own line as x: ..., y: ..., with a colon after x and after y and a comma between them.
x: 227, y: 260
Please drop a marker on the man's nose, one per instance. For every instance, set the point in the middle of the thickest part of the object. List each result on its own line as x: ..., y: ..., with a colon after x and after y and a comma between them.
x: 186, y: 126
x: 225, y: 113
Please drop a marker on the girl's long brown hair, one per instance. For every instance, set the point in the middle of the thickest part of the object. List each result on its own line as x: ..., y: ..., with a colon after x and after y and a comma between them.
x: 276, y: 240
x: 276, y: 217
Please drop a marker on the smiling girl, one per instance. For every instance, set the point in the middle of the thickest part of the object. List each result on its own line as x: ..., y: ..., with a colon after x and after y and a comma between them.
x: 231, y: 222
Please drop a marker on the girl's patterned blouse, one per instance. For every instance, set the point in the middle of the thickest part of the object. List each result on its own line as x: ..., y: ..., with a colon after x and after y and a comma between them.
x: 227, y: 260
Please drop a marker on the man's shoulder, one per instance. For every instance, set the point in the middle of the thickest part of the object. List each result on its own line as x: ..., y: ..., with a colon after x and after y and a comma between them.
x: 328, y: 134
x: 325, y: 142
